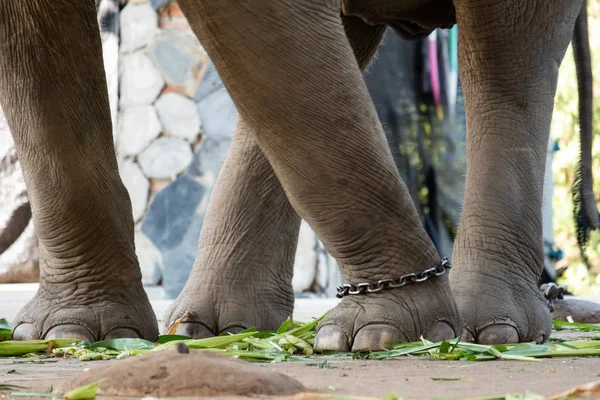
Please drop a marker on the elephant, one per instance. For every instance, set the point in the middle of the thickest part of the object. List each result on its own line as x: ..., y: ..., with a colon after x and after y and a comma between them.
x: 308, y: 145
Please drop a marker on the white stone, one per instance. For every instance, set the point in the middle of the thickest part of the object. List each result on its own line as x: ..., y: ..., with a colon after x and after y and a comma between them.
x: 218, y: 114
x: 305, y: 265
x: 179, y: 116
x: 140, y: 81
x: 138, y: 127
x: 139, y: 24
x: 137, y: 185
x: 165, y: 158
x: 149, y: 257
x: 110, y: 53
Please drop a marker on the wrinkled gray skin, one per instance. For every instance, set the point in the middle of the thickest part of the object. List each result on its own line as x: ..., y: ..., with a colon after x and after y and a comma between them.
x: 308, y: 144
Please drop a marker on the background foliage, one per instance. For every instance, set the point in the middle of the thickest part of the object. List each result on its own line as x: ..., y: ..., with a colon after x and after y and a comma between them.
x: 565, y: 129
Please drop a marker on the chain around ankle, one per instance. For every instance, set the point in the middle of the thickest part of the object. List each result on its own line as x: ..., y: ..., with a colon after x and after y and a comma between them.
x: 394, y: 283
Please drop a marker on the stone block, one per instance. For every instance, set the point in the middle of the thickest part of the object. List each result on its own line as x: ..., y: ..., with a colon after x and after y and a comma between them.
x: 171, y: 17
x: 139, y: 126
x: 179, y: 116
x: 166, y: 157
x: 139, y: 24
x: 140, y: 82
x: 137, y: 185
x: 218, y: 115
x: 305, y: 264
x: 149, y: 257
x: 175, y: 216
x: 157, y: 4
x: 180, y: 60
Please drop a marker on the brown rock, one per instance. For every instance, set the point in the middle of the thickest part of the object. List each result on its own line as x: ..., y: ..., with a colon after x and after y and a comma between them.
x: 170, y: 373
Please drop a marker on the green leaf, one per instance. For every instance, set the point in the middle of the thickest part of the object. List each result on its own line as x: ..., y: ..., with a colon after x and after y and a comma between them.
x: 4, y: 386
x: 125, y: 344
x: 12, y: 348
x: 37, y: 395
x: 560, y: 325
x: 87, y: 392
x: 5, y: 330
x: 169, y: 338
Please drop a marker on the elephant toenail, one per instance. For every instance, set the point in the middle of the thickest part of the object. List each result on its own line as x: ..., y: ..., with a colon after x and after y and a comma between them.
x: 194, y: 329
x: 70, y: 331
x: 377, y: 337
x: 467, y: 336
x: 331, y: 338
x: 498, y: 334
x: 120, y: 333
x: 541, y: 338
x: 182, y: 348
x: 25, y: 332
x: 440, y: 331
x: 233, y: 329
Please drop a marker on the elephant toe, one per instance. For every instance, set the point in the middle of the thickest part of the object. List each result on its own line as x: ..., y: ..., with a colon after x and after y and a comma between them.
x: 498, y: 334
x: 440, y: 331
x: 377, y: 337
x: 194, y: 329
x: 70, y: 331
x: 119, y: 333
x: 25, y: 332
x: 331, y: 338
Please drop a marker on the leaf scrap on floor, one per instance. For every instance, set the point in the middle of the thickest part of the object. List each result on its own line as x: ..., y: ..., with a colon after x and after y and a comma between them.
x: 294, y: 341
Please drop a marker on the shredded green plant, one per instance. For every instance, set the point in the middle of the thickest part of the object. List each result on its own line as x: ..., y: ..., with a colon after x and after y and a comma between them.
x: 294, y: 341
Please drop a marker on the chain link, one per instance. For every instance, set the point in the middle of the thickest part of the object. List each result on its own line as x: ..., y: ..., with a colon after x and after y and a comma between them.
x: 552, y: 292
x: 394, y: 283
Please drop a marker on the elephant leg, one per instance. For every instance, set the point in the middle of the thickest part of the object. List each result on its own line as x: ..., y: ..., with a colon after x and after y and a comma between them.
x: 53, y: 91
x: 242, y: 276
x: 510, y: 52
x: 229, y: 289
x: 290, y: 69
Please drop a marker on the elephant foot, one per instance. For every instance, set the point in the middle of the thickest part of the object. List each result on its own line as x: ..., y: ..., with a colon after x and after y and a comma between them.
x: 93, y: 316
x: 210, y: 304
x: 370, y: 321
x: 500, y: 307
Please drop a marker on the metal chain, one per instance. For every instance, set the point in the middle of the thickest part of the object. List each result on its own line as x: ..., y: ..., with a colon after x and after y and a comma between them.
x: 552, y: 292
x: 394, y: 283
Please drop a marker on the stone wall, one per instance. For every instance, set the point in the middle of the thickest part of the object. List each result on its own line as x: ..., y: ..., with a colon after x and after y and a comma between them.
x: 175, y: 123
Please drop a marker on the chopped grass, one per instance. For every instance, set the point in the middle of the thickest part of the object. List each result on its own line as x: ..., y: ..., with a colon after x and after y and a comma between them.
x: 295, y: 340
x: 87, y: 392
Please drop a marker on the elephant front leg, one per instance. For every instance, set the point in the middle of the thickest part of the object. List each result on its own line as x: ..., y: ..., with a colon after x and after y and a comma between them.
x: 290, y: 69
x: 53, y: 91
x: 510, y: 52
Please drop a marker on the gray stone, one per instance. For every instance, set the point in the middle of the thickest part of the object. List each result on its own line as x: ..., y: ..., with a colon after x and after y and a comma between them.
x: 140, y: 81
x: 137, y: 185
x: 20, y: 262
x: 179, y: 58
x: 305, y: 264
x: 15, y: 211
x: 156, y: 4
x: 165, y: 158
x: 18, y: 240
x: 211, y: 82
x: 178, y: 115
x: 175, y: 216
x: 139, y: 126
x: 149, y: 257
x: 139, y: 24
x: 218, y: 114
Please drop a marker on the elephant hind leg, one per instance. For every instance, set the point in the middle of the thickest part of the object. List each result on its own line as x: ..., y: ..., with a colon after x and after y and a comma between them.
x: 509, y: 56
x: 53, y: 91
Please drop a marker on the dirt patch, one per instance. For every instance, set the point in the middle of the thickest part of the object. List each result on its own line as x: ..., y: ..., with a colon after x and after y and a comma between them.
x: 172, y: 374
